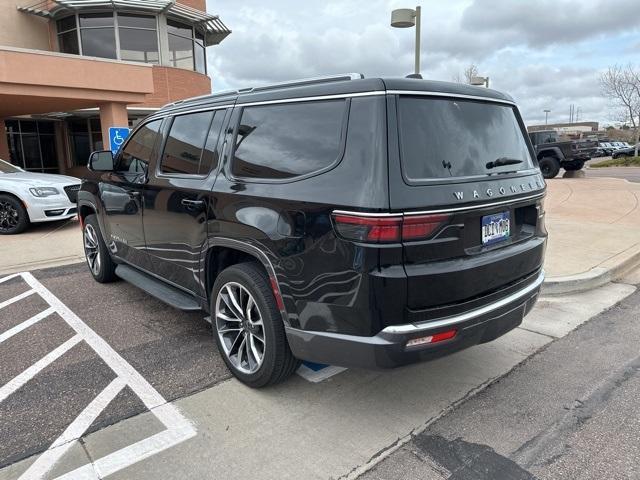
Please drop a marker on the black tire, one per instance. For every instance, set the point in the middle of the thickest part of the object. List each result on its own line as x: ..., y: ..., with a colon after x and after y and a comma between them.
x: 573, y: 166
x: 13, y: 216
x: 98, y: 258
x: 549, y: 166
x: 277, y: 362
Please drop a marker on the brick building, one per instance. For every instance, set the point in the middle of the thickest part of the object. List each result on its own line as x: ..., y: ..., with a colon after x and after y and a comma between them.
x: 70, y: 69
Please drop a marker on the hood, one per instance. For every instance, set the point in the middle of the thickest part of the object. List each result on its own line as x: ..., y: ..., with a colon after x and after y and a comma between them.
x: 39, y: 179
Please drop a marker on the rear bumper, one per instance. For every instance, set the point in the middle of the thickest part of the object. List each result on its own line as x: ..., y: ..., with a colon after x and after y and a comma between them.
x: 389, y: 347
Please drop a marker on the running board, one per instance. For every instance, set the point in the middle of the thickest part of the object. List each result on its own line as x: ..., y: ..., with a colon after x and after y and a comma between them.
x: 162, y: 291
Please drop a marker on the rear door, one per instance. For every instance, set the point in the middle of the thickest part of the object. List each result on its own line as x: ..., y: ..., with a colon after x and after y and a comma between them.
x: 466, y: 166
x: 176, y: 196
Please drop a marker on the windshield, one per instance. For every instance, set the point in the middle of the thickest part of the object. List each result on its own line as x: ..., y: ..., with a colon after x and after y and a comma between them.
x: 443, y: 138
x: 6, y: 167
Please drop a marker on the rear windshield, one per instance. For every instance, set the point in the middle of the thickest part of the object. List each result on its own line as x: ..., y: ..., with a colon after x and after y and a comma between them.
x: 444, y: 138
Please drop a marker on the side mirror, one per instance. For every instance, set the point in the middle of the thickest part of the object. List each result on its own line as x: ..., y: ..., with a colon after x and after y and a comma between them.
x: 101, y: 161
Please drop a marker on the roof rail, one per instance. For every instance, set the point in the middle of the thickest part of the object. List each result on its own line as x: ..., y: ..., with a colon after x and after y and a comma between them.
x: 308, y: 81
x: 274, y: 86
x: 222, y: 93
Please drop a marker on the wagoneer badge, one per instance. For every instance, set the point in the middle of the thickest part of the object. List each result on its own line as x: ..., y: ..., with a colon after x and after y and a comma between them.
x: 490, y: 192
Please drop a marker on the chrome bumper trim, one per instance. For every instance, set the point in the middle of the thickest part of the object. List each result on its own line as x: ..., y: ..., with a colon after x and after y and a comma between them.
x: 445, y: 322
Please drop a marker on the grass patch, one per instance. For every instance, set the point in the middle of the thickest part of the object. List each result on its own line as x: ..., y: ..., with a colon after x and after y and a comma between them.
x: 618, y: 162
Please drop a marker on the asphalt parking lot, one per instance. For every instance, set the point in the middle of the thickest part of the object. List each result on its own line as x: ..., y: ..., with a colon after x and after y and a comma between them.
x: 100, y: 380
x: 172, y: 350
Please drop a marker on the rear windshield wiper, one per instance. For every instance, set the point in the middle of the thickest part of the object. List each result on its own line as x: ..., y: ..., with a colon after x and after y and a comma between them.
x: 502, y: 161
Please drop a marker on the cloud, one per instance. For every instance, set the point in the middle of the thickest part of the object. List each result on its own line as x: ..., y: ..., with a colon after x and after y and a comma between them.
x: 546, y: 54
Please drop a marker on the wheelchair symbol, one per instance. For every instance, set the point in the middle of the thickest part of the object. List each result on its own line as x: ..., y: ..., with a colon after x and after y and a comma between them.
x: 117, y: 139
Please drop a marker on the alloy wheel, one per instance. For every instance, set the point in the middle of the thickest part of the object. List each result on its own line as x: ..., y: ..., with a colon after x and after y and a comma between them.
x: 9, y: 216
x: 240, y: 328
x: 91, y: 249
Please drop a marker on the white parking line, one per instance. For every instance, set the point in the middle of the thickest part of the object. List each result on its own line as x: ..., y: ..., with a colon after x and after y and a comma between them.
x: 18, y: 381
x: 17, y: 298
x: 178, y: 428
x: 26, y: 324
x: 75, y: 430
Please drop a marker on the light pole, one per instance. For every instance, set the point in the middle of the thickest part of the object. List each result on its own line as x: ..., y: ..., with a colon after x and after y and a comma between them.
x: 405, y: 18
x: 480, y: 81
x: 546, y: 116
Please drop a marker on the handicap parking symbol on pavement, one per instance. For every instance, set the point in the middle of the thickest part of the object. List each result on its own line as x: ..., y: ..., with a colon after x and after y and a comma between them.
x: 117, y: 136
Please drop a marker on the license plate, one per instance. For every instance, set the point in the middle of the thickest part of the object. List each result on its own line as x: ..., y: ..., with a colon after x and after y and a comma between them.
x: 495, y: 228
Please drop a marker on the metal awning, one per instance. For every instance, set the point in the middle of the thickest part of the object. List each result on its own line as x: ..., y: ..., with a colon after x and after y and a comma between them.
x: 210, y: 25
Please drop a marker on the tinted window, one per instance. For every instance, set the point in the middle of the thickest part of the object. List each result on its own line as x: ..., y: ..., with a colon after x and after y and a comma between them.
x: 185, y: 142
x: 457, y: 138
x: 181, y: 52
x: 137, y: 151
x: 136, y: 21
x: 285, y: 141
x: 98, y: 42
x: 210, y: 155
x: 139, y: 45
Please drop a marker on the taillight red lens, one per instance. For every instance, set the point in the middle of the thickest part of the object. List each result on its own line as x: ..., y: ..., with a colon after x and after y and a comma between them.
x: 369, y: 229
x: 422, y: 226
x: 387, y: 229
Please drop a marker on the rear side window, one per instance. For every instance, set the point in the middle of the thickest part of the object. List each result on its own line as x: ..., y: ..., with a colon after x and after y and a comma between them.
x: 137, y: 151
x: 444, y: 138
x: 276, y: 142
x: 184, y: 145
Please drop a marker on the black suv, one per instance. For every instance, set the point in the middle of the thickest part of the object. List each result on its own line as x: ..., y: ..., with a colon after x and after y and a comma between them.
x: 553, y: 154
x: 349, y: 221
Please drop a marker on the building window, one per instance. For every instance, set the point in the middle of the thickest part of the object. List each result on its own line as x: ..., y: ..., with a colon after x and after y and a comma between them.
x: 85, y: 136
x: 186, y: 47
x: 32, y: 145
x: 136, y: 35
x: 132, y: 37
x: 68, y: 35
x: 97, y: 35
x: 138, y: 38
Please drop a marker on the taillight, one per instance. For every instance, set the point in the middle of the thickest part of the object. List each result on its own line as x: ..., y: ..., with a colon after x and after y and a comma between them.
x: 422, y: 226
x: 387, y: 229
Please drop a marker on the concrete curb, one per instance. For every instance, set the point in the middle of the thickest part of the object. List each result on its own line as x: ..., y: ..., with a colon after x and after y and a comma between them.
x: 609, y: 271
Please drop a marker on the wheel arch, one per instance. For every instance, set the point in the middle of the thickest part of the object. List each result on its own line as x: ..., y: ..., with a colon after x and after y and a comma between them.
x: 224, y: 252
x: 18, y: 198
x: 549, y: 152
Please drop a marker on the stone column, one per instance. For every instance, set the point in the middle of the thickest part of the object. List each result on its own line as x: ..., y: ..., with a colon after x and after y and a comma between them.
x: 112, y: 115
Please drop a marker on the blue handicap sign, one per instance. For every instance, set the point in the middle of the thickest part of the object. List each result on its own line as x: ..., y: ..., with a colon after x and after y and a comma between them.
x: 117, y: 135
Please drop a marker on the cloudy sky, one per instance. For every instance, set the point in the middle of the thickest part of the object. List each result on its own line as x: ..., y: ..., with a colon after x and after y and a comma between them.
x: 547, y: 54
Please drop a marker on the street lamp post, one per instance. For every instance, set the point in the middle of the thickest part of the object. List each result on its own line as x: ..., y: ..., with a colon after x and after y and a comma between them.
x: 480, y: 81
x: 546, y: 116
x: 405, y: 18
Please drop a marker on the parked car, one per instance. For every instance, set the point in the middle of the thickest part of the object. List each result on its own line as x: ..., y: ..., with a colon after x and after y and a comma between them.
x: 624, y: 152
x: 28, y: 197
x: 553, y: 153
x: 607, y: 148
x: 345, y: 221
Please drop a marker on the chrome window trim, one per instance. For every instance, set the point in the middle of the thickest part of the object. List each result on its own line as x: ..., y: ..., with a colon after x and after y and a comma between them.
x: 343, y: 95
x: 450, y: 95
x: 442, y: 210
x: 445, y: 322
x: 270, y: 102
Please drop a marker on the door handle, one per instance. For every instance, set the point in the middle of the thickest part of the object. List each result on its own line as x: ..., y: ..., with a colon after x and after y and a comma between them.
x: 192, y: 204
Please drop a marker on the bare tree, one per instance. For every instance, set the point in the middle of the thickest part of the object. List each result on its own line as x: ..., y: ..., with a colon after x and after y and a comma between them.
x: 470, y: 72
x: 622, y: 84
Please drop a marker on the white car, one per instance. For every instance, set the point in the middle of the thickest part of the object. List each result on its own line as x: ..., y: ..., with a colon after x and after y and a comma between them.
x: 28, y: 197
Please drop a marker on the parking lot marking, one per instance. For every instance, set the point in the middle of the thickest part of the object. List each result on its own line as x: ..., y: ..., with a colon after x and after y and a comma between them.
x: 75, y: 430
x: 17, y: 298
x: 22, y: 378
x: 26, y: 324
x: 178, y: 428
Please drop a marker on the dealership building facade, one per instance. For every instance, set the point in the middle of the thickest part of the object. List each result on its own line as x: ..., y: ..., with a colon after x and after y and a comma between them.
x: 70, y: 69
